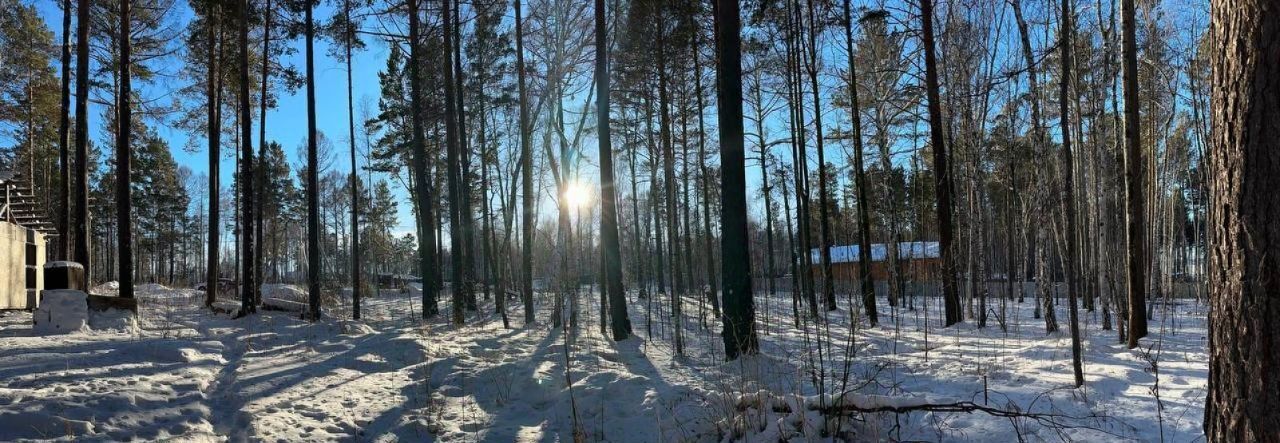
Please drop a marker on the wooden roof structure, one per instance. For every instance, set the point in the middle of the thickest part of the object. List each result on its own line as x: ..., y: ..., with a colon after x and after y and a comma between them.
x: 18, y: 204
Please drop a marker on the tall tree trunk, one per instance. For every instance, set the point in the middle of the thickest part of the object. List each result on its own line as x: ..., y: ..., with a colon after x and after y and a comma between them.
x: 454, y: 160
x: 464, y: 167
x: 707, y: 179
x: 1244, y: 292
x: 942, y: 171
x: 824, y: 207
x: 349, y: 33
x: 427, y: 241
x: 491, y: 267
x: 739, y: 306
x: 247, y: 193
x: 214, y: 120
x: 260, y: 174
x: 669, y: 182
x: 1135, y: 163
x: 864, y: 216
x: 313, y: 182
x: 655, y: 199
x: 617, y: 296
x: 124, y: 109
x: 640, y: 251
x: 1038, y: 135
x: 799, y: 154
x: 770, y: 272
x: 1071, y: 262
x: 82, y: 252
x: 64, y: 141
x: 791, y: 249
x: 526, y: 176
x: 685, y: 203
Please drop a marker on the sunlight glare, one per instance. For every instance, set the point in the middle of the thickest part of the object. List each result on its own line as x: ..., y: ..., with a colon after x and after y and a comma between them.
x: 577, y: 195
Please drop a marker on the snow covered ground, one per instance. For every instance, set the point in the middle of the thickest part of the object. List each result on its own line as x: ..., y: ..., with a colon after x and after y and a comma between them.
x: 192, y: 375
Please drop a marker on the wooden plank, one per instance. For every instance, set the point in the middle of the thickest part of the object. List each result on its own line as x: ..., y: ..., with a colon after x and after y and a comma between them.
x: 105, y: 302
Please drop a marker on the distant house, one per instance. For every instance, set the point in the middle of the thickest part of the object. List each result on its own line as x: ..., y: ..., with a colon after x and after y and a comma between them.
x: 916, y: 260
x: 396, y: 280
x: 23, y: 232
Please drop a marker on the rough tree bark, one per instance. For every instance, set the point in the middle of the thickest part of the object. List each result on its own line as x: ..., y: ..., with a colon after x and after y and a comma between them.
x: 1070, y: 263
x: 1244, y: 254
x: 1134, y: 172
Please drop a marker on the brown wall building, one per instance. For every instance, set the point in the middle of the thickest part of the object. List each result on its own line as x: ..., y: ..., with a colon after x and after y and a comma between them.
x: 916, y: 261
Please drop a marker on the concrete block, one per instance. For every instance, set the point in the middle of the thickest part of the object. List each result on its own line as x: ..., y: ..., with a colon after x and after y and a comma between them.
x: 61, y: 311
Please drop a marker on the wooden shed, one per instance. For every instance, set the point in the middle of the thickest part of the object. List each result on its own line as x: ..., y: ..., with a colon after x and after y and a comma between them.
x: 916, y: 261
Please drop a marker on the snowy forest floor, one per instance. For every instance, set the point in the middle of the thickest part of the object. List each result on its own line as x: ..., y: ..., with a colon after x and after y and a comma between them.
x: 193, y: 375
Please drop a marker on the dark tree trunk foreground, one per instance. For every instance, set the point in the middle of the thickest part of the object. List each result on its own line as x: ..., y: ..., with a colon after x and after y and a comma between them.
x: 313, y: 180
x: 213, y: 109
x: 1244, y: 252
x: 124, y: 117
x: 1134, y: 172
x: 64, y: 141
x: 616, y: 294
x: 739, y: 307
x: 426, y: 205
x: 942, y: 172
x: 247, y: 213
x: 526, y: 178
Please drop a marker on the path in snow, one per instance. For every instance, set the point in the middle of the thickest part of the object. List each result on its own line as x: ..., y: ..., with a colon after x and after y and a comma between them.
x: 197, y: 376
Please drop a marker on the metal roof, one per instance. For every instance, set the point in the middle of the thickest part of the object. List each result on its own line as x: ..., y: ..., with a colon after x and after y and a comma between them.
x: 906, y: 250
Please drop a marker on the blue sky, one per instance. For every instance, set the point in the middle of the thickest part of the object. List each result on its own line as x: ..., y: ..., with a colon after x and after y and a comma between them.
x: 287, y: 123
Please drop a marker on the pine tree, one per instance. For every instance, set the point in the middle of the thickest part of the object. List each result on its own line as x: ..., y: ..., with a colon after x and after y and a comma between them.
x: 312, y: 182
x: 214, y: 121
x: 344, y: 32
x: 1135, y: 170
x: 427, y: 264
x: 942, y: 173
x: 739, y: 332
x: 615, y: 292
x: 457, y: 236
x: 864, y: 218
x: 526, y: 175
x: 246, y: 174
x: 1244, y: 294
x: 64, y: 141
x: 1071, y: 261
x: 124, y: 204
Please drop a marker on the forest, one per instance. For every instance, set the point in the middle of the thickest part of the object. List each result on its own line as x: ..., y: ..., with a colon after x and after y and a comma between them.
x: 639, y: 220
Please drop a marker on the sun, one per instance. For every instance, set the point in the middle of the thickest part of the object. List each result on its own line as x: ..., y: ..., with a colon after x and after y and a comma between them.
x: 576, y: 195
